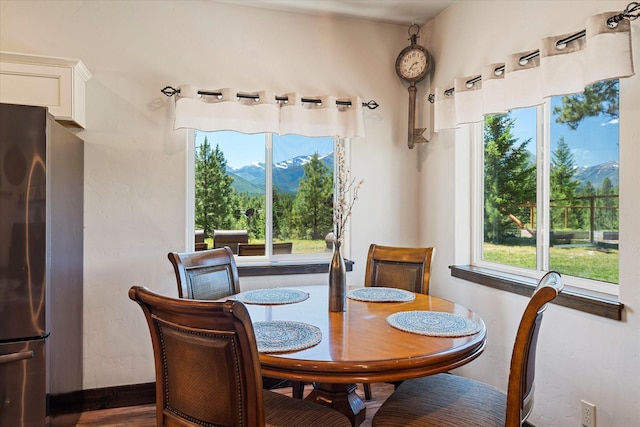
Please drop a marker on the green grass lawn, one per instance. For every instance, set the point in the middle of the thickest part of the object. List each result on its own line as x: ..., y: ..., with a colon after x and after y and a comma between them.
x: 581, y: 261
x: 308, y: 246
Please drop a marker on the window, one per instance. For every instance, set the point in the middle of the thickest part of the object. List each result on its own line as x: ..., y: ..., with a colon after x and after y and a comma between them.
x: 263, y: 194
x: 549, y: 184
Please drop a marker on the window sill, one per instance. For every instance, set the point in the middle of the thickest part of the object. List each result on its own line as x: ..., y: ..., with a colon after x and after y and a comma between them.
x: 277, y: 269
x: 598, y: 304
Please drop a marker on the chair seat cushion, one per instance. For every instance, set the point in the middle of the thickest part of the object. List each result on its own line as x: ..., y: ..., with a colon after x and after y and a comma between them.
x: 281, y: 411
x: 443, y: 400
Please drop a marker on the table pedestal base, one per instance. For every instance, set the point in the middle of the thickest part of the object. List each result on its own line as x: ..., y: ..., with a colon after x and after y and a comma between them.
x: 342, y: 398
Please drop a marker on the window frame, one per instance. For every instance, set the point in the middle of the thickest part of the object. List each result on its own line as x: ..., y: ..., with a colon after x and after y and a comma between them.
x: 578, y: 286
x: 269, y: 259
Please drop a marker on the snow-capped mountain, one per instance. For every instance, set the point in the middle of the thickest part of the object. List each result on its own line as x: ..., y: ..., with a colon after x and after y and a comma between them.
x: 596, y: 174
x: 286, y: 174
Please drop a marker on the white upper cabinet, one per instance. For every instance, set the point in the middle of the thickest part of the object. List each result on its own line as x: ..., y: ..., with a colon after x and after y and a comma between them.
x: 57, y: 83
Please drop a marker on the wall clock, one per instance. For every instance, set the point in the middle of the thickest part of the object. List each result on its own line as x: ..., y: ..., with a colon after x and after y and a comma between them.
x: 412, y: 65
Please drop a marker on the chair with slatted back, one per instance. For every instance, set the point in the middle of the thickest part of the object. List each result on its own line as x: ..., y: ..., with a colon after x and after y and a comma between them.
x: 208, y: 370
x: 398, y: 267
x: 206, y: 275
x: 446, y: 399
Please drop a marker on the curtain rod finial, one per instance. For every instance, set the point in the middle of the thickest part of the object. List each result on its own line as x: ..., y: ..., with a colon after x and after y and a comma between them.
x: 170, y: 91
x: 372, y: 105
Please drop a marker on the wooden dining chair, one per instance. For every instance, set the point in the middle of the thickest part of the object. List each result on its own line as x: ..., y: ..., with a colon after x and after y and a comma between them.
x: 208, y: 370
x: 210, y: 275
x: 206, y: 275
x: 398, y: 267
x: 446, y: 399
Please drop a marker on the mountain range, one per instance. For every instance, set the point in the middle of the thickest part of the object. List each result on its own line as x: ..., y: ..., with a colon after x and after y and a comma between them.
x: 596, y: 174
x: 287, y: 174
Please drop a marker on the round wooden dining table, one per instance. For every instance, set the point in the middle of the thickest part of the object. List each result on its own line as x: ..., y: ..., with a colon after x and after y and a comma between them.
x: 358, y: 345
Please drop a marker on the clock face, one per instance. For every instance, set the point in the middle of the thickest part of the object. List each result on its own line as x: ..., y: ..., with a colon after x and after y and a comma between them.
x: 412, y: 64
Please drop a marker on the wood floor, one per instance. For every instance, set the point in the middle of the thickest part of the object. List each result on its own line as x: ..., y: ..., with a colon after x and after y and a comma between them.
x: 144, y: 416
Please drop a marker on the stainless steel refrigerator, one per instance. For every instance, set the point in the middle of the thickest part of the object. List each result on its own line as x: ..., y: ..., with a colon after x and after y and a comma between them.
x: 41, y: 250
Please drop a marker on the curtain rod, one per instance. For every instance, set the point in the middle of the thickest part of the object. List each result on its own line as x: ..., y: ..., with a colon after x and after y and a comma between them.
x: 612, y: 22
x: 170, y: 91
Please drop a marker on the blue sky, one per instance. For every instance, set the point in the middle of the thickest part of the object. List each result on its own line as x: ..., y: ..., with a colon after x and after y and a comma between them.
x: 594, y: 142
x: 241, y: 149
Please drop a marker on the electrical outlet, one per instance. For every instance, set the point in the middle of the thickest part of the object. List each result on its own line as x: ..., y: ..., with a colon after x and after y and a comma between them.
x: 588, y: 414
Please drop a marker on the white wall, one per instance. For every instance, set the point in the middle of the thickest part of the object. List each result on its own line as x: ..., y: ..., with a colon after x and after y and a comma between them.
x: 135, y: 166
x: 135, y: 163
x: 581, y: 356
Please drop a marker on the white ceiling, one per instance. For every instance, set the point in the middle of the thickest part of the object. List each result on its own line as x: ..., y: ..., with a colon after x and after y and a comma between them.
x: 388, y: 11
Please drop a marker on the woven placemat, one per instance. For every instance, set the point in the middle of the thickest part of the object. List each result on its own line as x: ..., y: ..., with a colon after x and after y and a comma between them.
x: 381, y: 294
x: 433, y: 323
x: 281, y: 336
x: 272, y: 296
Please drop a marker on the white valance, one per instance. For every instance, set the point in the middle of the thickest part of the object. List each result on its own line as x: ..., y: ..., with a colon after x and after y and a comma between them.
x: 262, y: 112
x: 564, y: 64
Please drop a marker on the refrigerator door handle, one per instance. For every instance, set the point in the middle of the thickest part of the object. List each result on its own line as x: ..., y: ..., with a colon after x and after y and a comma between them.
x: 15, y: 357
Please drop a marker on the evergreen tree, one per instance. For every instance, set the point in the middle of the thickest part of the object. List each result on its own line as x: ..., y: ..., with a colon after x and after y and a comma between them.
x: 213, y: 192
x: 588, y: 189
x: 563, y: 187
x: 607, y: 219
x: 311, y: 216
x: 607, y: 187
x: 600, y: 98
x: 587, y: 193
x: 509, y: 178
x: 282, y: 206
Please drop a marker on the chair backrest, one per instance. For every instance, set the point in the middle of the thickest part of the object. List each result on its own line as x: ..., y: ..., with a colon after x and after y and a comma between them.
x: 230, y: 238
x: 395, y: 267
x: 523, y: 359
x: 257, y: 249
x: 206, y: 361
x: 206, y: 275
x: 200, y: 244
